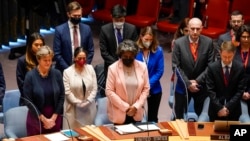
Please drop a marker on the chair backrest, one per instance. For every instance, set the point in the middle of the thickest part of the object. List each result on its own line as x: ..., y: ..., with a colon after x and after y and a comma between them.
x: 109, y: 4
x: 15, y: 122
x: 102, y: 115
x: 244, y: 117
x: 144, y: 6
x: 11, y: 99
x: 218, y: 13
x: 243, y: 7
x: 204, y: 117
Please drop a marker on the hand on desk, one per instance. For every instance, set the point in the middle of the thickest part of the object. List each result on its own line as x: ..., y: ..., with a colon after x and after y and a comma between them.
x: 223, y: 112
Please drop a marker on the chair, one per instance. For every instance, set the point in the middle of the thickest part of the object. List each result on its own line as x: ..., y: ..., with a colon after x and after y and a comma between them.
x: 87, y: 6
x: 10, y: 100
x: 204, y: 113
x: 166, y: 26
x: 15, y: 122
x: 102, y: 115
x: 143, y: 16
x: 217, y: 18
x: 105, y: 13
x: 243, y: 7
x: 244, y: 117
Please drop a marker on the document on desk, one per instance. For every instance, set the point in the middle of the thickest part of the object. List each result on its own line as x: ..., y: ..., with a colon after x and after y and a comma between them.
x: 127, y: 129
x: 56, y: 137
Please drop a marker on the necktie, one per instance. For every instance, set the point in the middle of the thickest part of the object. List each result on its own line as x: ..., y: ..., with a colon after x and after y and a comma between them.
x: 227, y: 74
x: 75, y: 37
x: 193, y: 47
x: 119, y: 35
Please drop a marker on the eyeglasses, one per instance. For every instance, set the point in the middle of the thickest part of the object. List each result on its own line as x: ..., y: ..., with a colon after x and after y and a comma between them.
x: 193, y: 29
x: 245, y: 37
x: 236, y: 21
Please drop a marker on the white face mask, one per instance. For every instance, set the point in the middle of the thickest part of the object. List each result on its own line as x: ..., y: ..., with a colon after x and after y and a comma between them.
x: 118, y: 25
x: 146, y: 44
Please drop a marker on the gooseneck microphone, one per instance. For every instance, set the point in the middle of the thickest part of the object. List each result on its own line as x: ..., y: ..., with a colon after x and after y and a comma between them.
x: 70, y: 130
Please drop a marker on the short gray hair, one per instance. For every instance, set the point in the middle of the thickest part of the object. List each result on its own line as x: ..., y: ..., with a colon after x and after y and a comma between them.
x: 127, y: 45
x: 44, y: 51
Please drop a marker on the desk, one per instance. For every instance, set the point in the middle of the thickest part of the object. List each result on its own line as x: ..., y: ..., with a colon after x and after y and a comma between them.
x: 103, y: 133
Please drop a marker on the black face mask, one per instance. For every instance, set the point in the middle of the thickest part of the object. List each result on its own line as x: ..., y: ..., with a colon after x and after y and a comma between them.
x: 127, y: 62
x: 75, y: 20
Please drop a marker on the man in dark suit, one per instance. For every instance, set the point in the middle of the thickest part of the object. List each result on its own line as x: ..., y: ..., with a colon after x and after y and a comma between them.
x: 70, y: 35
x: 191, y: 55
x: 109, y: 35
x: 236, y: 21
x: 225, y: 85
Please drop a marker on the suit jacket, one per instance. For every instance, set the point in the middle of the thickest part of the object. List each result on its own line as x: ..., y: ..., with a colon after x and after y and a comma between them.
x: 224, y: 37
x: 108, y: 44
x: 2, y: 84
x: 20, y: 74
x: 182, y: 58
x: 155, y: 67
x: 63, y: 47
x: 237, y: 57
x: 117, y: 93
x: 74, y: 93
x: 220, y: 94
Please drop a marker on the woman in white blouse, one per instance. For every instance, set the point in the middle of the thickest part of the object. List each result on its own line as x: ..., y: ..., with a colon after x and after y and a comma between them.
x: 80, y: 89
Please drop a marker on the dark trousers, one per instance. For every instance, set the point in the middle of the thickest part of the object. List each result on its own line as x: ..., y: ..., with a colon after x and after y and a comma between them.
x: 180, y: 104
x: 153, y: 106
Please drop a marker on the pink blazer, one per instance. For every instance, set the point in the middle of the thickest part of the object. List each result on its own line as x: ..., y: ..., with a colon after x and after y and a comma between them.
x: 117, y: 94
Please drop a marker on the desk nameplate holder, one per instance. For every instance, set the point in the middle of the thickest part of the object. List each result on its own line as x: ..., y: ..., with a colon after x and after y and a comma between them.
x: 150, y: 138
x: 223, y: 137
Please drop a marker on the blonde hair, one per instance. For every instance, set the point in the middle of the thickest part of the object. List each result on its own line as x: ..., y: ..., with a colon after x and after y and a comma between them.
x: 44, y: 51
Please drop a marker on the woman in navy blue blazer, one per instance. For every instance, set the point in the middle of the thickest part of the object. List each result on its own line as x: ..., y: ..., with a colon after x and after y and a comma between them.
x: 152, y: 55
x: 44, y: 95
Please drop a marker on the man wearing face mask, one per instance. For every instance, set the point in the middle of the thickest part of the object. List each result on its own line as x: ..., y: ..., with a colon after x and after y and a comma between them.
x: 152, y: 55
x: 113, y: 33
x: 71, y: 35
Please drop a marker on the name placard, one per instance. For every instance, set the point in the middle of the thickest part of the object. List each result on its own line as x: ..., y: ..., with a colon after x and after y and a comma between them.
x: 239, y: 132
x: 155, y: 138
x: 220, y: 137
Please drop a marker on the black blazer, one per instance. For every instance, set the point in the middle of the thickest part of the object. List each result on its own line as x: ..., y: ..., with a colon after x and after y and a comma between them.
x: 220, y: 94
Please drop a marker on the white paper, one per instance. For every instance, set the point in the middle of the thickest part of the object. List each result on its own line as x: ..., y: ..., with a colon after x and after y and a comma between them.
x: 127, y: 128
x: 56, y: 137
x: 149, y: 127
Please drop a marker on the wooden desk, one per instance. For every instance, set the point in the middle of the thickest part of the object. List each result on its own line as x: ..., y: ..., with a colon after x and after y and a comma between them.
x: 103, y: 133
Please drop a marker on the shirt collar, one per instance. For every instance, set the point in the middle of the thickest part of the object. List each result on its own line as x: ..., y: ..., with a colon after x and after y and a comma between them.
x: 223, y: 65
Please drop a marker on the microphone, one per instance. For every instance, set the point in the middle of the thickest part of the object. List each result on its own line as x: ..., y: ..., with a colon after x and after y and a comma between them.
x: 70, y: 130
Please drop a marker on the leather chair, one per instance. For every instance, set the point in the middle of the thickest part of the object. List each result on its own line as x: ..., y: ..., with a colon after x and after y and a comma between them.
x: 166, y: 26
x: 15, y: 122
x: 217, y: 18
x: 87, y: 6
x: 243, y: 7
x: 105, y: 13
x: 146, y: 15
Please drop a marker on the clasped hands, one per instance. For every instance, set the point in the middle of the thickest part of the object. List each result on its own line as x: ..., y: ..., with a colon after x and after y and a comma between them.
x: 48, y: 123
x: 82, y: 104
x: 193, y: 86
x: 131, y: 111
x: 224, y: 112
x: 246, y: 96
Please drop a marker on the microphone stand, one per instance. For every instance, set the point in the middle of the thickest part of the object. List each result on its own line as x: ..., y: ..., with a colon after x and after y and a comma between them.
x: 69, y: 127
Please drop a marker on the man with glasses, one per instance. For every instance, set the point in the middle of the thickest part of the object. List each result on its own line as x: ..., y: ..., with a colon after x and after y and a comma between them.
x: 70, y: 35
x: 191, y: 55
x: 235, y: 22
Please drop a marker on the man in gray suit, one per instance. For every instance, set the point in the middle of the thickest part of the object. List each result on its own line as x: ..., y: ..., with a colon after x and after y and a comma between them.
x: 113, y: 33
x: 191, y: 55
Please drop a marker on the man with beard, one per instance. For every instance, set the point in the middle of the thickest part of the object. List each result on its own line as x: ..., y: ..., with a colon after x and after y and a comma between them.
x: 70, y: 35
x: 235, y: 22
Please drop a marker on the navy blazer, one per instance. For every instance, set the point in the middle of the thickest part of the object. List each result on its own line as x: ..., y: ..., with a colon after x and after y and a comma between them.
x: 63, y: 47
x: 2, y: 84
x: 221, y: 94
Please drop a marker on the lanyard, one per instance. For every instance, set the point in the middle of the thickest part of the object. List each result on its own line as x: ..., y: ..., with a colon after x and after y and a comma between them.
x: 146, y: 59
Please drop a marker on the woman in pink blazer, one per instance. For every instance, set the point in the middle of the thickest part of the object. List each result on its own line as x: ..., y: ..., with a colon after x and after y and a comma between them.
x: 127, y: 86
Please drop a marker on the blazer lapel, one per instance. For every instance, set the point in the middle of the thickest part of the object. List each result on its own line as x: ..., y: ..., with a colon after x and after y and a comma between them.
x: 121, y: 76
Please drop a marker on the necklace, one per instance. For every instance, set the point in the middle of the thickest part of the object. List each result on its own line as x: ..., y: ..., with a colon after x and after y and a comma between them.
x: 43, y: 75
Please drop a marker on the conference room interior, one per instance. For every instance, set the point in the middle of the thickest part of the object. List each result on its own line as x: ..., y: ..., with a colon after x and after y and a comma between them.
x: 164, y: 38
